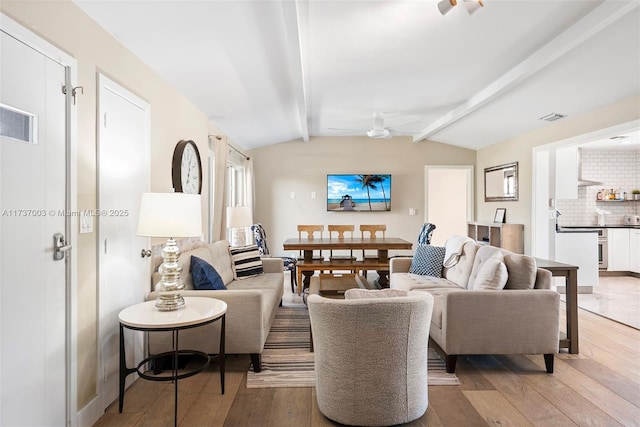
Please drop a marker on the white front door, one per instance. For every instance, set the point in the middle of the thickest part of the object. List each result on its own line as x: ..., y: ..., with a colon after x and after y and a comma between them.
x: 123, y: 164
x: 32, y: 192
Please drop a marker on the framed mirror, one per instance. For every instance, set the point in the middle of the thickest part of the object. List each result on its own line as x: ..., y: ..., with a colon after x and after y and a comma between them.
x: 501, y: 183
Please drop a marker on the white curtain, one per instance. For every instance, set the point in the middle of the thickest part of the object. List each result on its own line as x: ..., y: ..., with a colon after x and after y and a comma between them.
x: 249, y: 185
x: 219, y: 203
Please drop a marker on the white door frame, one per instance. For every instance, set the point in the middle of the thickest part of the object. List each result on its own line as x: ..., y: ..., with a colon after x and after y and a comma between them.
x: 106, y: 84
x: 24, y: 35
x: 538, y: 224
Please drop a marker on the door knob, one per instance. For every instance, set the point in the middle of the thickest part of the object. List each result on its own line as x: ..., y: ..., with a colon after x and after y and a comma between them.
x: 145, y: 253
x: 59, y: 247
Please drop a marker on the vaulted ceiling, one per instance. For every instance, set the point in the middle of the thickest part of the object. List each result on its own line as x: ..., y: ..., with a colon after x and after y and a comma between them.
x: 266, y: 72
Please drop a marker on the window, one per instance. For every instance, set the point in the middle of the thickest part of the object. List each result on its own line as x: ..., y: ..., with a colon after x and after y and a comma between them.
x: 18, y: 125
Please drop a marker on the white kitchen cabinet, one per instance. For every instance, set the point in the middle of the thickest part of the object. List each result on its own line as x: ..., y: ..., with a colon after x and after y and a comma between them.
x: 580, y: 249
x: 618, y: 240
x: 634, y: 250
x: 567, y: 173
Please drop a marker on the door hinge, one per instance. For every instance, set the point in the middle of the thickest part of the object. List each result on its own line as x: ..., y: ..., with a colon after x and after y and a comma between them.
x: 104, y: 120
x: 74, y: 92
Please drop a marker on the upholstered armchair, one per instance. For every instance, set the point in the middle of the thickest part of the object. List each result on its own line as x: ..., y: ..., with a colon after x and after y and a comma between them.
x: 371, y: 355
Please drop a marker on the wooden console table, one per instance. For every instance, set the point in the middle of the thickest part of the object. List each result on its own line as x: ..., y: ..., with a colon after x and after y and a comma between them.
x: 570, y: 272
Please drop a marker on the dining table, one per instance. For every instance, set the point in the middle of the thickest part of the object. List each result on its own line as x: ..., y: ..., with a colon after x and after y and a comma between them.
x: 307, y: 266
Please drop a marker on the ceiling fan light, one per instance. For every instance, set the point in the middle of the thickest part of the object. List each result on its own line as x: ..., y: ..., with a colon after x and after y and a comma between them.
x: 446, y: 5
x: 473, y: 6
x: 378, y: 133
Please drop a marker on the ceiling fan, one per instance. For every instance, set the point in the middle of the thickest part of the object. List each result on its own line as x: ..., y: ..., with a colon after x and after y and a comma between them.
x: 379, y: 130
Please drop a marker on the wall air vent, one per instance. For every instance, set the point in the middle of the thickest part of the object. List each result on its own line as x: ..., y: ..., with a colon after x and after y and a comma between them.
x: 553, y: 117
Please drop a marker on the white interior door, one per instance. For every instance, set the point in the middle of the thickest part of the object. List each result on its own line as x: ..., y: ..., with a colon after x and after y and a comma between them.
x: 448, y: 200
x: 32, y: 192
x: 123, y: 176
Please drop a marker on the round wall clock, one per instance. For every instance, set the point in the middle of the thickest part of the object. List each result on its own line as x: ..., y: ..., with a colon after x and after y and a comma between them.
x: 186, y: 168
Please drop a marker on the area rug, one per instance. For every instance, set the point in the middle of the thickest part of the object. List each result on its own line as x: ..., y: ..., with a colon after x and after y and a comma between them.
x: 287, y: 361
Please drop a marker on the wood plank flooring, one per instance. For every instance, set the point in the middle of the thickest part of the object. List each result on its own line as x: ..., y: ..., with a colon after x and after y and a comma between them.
x: 598, y: 387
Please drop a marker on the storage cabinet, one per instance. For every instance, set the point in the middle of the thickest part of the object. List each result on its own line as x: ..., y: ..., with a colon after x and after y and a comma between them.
x: 634, y: 251
x: 567, y: 173
x: 618, y: 240
x: 506, y: 236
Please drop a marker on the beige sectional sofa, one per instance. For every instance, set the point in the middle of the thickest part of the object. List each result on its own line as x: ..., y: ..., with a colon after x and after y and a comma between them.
x: 251, y: 306
x: 522, y: 318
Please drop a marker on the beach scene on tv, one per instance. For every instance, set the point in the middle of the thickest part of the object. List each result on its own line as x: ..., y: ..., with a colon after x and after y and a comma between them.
x: 358, y: 192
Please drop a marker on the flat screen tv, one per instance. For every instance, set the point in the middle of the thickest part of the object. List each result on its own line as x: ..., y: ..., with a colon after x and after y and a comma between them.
x: 360, y: 193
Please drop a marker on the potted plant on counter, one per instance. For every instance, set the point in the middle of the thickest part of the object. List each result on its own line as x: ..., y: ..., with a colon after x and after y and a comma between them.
x: 636, y: 194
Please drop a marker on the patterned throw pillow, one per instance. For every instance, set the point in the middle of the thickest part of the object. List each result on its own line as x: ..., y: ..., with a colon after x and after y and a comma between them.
x: 428, y: 260
x: 246, y: 261
x: 204, y: 276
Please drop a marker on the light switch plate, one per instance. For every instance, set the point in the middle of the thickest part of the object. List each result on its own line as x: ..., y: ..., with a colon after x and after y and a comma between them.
x: 86, y: 222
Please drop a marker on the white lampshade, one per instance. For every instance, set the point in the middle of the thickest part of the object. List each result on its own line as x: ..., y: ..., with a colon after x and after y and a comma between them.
x: 446, y: 5
x: 170, y: 215
x: 239, y: 217
x: 473, y: 6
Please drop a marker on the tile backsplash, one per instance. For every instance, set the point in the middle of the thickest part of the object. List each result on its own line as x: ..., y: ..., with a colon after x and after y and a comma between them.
x: 615, y: 169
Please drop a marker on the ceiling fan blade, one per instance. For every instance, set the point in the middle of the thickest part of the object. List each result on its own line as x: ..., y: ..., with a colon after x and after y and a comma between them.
x: 345, y: 130
x: 405, y: 124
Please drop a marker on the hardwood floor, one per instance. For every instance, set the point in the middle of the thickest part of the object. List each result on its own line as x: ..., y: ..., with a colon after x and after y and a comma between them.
x: 598, y: 387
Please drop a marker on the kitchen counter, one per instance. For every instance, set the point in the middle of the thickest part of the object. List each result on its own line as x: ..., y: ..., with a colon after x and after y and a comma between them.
x: 576, y: 230
x: 585, y: 228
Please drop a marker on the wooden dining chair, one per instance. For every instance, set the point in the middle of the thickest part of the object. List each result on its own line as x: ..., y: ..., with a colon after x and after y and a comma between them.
x: 341, y: 232
x: 311, y: 232
x: 372, y: 231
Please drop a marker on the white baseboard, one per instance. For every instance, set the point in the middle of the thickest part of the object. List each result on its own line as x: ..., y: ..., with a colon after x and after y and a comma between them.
x: 90, y: 414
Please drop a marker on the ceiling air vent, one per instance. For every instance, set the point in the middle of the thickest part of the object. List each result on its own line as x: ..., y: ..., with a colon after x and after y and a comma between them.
x: 553, y: 117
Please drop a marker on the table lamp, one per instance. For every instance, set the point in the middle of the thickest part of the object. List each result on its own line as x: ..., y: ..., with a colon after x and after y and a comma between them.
x: 170, y: 215
x: 238, y: 219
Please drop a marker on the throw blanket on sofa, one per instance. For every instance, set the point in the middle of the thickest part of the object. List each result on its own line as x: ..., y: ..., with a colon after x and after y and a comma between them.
x: 453, y: 249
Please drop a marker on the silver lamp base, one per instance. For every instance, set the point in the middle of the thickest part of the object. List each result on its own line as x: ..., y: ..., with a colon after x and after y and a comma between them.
x: 170, y: 285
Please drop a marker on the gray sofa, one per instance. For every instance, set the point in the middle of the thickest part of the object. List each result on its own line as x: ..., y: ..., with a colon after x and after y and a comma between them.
x: 522, y: 318
x: 251, y: 306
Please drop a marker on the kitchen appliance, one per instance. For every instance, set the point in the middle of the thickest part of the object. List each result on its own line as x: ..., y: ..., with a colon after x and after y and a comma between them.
x: 632, y: 220
x: 600, y: 217
x: 603, y: 249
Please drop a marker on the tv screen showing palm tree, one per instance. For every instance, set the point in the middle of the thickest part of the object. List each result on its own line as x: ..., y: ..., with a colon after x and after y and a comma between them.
x: 361, y: 193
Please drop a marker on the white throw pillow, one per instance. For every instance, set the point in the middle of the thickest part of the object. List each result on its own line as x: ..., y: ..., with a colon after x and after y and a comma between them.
x: 492, y: 275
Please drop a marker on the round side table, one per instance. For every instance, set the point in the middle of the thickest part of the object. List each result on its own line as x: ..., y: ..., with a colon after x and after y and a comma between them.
x: 198, y: 311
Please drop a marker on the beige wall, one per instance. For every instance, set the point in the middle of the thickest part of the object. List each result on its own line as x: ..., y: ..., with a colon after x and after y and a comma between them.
x: 520, y: 149
x: 302, y: 168
x: 173, y: 118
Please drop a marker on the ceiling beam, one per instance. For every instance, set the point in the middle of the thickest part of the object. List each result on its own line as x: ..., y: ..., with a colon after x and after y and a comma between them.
x: 594, y: 22
x: 296, y: 19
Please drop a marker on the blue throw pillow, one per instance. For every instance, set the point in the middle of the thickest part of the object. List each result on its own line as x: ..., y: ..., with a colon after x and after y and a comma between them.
x: 428, y: 261
x: 205, y: 276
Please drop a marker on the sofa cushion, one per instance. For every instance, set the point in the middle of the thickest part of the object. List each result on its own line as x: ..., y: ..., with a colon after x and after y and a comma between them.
x: 522, y: 271
x: 460, y: 272
x: 482, y: 255
x: 428, y: 260
x: 492, y: 275
x: 246, y: 261
x: 220, y: 259
x: 204, y: 276
x: 184, y: 262
x: 410, y: 281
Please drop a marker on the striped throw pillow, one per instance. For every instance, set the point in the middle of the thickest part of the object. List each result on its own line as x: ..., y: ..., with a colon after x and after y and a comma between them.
x: 246, y: 261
